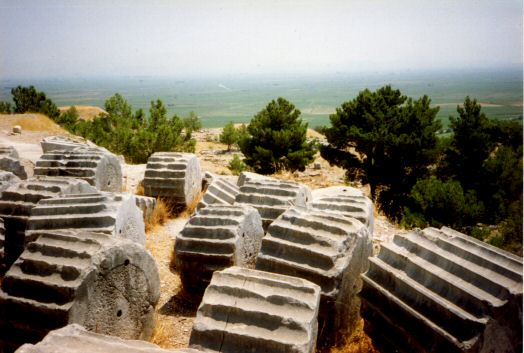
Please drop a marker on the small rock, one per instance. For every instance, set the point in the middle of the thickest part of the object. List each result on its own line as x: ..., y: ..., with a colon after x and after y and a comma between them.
x: 17, y: 129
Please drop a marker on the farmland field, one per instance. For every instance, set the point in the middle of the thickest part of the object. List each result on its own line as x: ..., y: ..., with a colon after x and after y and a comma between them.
x: 237, y: 98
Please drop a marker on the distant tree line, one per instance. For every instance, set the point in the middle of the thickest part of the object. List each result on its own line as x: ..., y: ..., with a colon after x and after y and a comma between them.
x: 467, y: 180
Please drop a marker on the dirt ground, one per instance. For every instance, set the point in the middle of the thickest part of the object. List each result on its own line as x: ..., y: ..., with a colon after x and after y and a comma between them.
x: 176, y: 310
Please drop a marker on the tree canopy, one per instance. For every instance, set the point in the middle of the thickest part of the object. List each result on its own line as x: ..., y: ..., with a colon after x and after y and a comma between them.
x: 385, y: 139
x: 276, y: 139
x: 28, y: 99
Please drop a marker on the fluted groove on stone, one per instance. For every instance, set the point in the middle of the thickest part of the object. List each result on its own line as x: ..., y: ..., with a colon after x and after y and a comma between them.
x: 272, y: 197
x: 217, y: 237
x: 219, y: 191
x: 11, y: 162
x: 146, y: 204
x: 174, y: 176
x: 99, y: 168
x: 115, y: 214
x: 441, y: 291
x: 76, y: 339
x: 327, y: 249
x: 109, y: 285
x: 19, y: 199
x: 349, y: 204
x: 246, y: 310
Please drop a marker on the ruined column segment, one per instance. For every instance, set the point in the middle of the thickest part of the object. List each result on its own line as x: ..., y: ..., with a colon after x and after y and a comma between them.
x: 174, y: 176
x: 441, y: 291
x: 76, y: 339
x: 18, y: 200
x: 146, y: 204
x: 219, y: 191
x: 11, y: 162
x: 6, y: 180
x: 114, y: 214
x: 327, y: 249
x: 99, y: 168
x: 59, y: 143
x: 107, y: 284
x: 272, y: 197
x: 348, y: 202
x: 217, y: 237
x: 254, y: 311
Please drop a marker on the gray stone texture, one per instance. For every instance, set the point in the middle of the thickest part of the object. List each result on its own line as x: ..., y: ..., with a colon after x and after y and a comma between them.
x: 272, y: 197
x: 245, y: 177
x: 99, y: 168
x: 18, y: 200
x: 2, y: 241
x: 441, y: 291
x: 327, y: 249
x: 348, y: 202
x: 146, y: 204
x: 217, y: 237
x: 11, y: 162
x: 76, y: 339
x: 60, y: 143
x: 7, y: 179
x: 114, y: 214
x: 174, y: 176
x: 219, y: 191
x: 254, y: 311
x: 109, y: 285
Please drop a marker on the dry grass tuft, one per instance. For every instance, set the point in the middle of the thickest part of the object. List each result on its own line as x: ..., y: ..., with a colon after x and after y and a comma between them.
x: 140, y: 189
x: 190, y: 209
x: 358, y: 342
x: 160, y: 215
x: 37, y: 122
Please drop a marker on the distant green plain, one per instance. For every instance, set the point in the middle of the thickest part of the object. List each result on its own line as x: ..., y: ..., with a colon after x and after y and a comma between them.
x: 237, y: 98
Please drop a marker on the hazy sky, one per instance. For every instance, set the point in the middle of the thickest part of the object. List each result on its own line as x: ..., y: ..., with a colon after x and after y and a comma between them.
x: 57, y: 38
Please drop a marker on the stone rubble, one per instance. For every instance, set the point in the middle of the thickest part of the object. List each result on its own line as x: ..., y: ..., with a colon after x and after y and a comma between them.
x: 109, y: 285
x: 217, y: 237
x: 437, y: 290
x: 253, y: 311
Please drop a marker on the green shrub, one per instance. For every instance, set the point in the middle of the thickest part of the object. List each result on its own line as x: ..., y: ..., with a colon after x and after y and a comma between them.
x: 229, y: 135
x: 237, y: 166
x: 5, y: 108
x: 28, y: 99
x: 192, y: 122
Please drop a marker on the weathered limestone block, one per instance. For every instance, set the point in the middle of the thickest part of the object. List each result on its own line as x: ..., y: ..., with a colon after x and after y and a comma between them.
x: 11, y: 162
x: 441, y: 291
x: 8, y: 151
x: 327, y: 249
x: 76, y: 339
x: 174, y: 176
x: 107, y: 284
x: 246, y: 177
x: 17, y: 129
x: 219, y: 191
x: 18, y: 200
x: 349, y: 202
x: 254, y: 311
x: 217, y: 237
x: 272, y: 197
x: 60, y: 143
x: 7, y: 179
x: 114, y: 214
x: 146, y: 205
x: 99, y: 168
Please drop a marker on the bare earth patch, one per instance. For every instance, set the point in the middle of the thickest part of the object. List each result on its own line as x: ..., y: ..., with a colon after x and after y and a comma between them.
x: 85, y: 112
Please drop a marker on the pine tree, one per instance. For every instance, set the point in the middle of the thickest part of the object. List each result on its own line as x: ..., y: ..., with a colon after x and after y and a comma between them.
x: 229, y: 135
x: 276, y: 139
x: 386, y: 140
